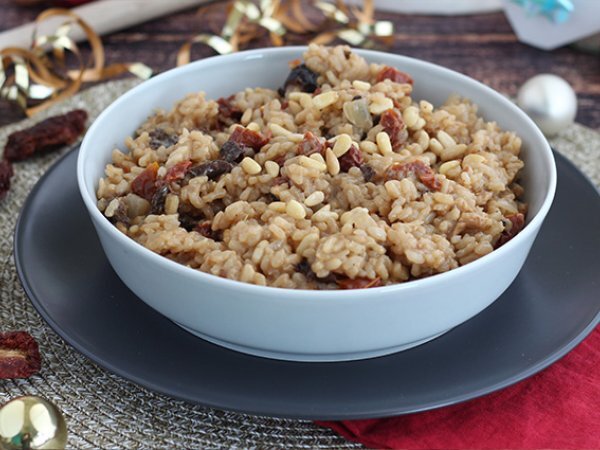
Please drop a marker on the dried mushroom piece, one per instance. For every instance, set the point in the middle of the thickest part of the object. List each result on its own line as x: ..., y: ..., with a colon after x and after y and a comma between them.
x: 19, y: 355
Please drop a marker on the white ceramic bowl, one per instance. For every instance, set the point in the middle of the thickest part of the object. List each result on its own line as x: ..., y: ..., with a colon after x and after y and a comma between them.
x: 299, y: 324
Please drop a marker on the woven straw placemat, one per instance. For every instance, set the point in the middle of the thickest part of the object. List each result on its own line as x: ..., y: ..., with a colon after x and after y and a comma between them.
x: 106, y: 411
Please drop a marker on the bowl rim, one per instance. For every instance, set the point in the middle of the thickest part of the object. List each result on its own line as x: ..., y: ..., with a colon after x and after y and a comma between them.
x: 528, y: 232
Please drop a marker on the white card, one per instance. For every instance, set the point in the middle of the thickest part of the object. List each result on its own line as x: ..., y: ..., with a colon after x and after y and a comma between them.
x: 436, y: 7
x: 543, y: 33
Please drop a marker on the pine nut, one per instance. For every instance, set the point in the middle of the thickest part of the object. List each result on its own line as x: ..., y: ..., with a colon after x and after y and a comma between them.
x: 246, y: 117
x: 410, y: 116
x: 314, y: 199
x: 325, y: 99
x: 317, y: 157
x: 333, y: 165
x: 445, y: 139
x: 253, y: 126
x: 423, y: 139
x: 380, y: 105
x: 473, y: 159
x: 393, y: 188
x: 278, y: 130
x: 112, y: 207
x: 279, y: 207
x: 342, y: 144
x: 369, y: 147
x: 383, y: 143
x: 295, y: 209
x: 456, y: 151
x: 419, y: 125
x: 435, y: 145
x: 425, y: 106
x: 250, y: 166
x: 272, y: 168
x: 361, y: 85
x: 305, y: 161
x: 448, y: 166
x: 171, y: 204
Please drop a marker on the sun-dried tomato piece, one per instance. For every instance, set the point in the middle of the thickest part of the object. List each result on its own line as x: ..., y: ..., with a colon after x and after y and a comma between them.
x: 177, y: 172
x: 393, y: 74
x: 212, y: 169
x: 517, y: 222
x: 205, y: 229
x: 358, y: 283
x: 417, y: 170
x: 394, y: 126
x: 6, y: 172
x: 47, y: 135
x: 228, y: 112
x: 302, y: 77
x: 310, y: 144
x: 160, y: 138
x: 233, y: 152
x: 352, y: 158
x: 248, y: 138
x: 19, y: 355
x: 144, y: 184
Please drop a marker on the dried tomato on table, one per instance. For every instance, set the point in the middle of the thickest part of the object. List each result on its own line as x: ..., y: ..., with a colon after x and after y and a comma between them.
x: 358, y: 283
x: 47, y: 135
x: 516, y: 222
x: 6, y: 173
x: 416, y: 169
x: 393, y: 74
x: 19, y: 355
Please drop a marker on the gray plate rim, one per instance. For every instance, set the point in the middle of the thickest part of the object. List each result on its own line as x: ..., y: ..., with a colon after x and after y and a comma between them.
x: 292, y: 413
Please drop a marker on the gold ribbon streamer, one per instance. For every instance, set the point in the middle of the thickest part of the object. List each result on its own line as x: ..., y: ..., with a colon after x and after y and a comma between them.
x: 40, y: 75
x: 37, y: 78
x: 358, y: 26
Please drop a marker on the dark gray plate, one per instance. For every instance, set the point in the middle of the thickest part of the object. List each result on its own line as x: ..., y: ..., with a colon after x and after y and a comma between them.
x: 553, y: 304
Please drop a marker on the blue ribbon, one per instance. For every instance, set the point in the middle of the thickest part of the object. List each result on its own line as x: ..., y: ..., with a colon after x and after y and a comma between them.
x: 557, y: 11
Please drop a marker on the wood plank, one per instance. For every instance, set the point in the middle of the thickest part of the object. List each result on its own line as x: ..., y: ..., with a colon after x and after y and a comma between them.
x: 483, y: 47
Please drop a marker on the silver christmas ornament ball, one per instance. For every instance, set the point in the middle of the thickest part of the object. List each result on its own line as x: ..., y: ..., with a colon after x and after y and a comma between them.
x: 32, y: 423
x: 550, y: 101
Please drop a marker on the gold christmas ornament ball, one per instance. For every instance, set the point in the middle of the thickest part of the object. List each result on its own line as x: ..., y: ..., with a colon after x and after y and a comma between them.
x: 31, y: 423
x: 550, y: 101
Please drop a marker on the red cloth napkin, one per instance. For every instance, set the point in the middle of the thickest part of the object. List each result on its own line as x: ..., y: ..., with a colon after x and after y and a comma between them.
x: 558, y: 408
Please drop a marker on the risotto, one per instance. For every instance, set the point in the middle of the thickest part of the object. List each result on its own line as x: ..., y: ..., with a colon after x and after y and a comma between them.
x: 339, y: 179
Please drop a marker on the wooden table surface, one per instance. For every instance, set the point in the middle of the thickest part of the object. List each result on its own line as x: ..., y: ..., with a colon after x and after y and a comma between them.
x: 482, y: 46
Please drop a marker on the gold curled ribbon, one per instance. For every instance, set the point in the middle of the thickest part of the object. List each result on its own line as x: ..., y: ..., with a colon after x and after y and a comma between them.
x: 40, y: 75
x: 236, y: 31
x: 356, y: 26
